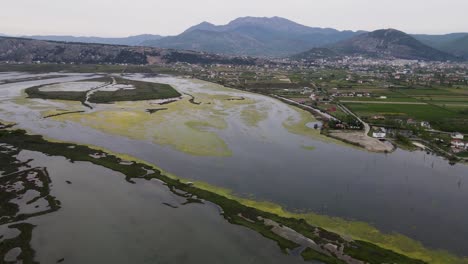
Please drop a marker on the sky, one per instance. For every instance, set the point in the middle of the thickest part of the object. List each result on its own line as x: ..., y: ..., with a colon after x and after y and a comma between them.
x: 119, y: 18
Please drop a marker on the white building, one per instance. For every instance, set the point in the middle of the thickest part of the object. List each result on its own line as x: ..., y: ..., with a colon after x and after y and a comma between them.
x: 425, y: 124
x: 457, y: 135
x: 457, y: 143
x: 380, y: 133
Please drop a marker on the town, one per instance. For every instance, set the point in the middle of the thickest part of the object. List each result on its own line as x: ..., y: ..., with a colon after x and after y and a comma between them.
x: 410, y: 104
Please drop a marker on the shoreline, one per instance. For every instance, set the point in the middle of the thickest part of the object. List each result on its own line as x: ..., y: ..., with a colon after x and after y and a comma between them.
x: 254, y: 204
x: 236, y: 210
x: 359, y: 138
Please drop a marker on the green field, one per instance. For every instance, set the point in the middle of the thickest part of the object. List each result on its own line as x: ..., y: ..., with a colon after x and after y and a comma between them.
x: 420, y: 112
x: 35, y: 92
x: 376, y: 99
x: 142, y: 91
x: 453, y: 99
x: 451, y: 119
x: 424, y: 91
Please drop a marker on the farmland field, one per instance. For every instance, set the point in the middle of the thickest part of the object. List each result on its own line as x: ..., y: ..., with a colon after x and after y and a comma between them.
x: 451, y: 119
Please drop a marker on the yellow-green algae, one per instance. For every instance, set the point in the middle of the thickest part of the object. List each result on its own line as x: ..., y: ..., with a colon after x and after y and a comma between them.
x: 308, y: 147
x: 132, y: 115
x: 6, y: 123
x: 354, y: 229
x: 299, y: 127
x: 68, y: 106
x: 185, y: 126
x: 174, y: 126
x: 182, y: 125
x: 251, y: 116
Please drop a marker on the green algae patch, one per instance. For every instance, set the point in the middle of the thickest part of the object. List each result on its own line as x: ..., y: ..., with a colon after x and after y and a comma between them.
x: 250, y: 213
x: 6, y: 124
x: 204, y: 125
x: 310, y: 148
x: 66, y: 107
x: 365, y: 232
x: 48, y: 105
x: 251, y: 116
x: 183, y: 126
x: 194, y: 137
x: 353, y: 229
x: 298, y: 126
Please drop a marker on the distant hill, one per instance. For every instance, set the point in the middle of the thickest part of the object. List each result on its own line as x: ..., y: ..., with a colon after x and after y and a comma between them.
x: 436, y: 41
x: 385, y: 43
x: 317, y: 53
x: 253, y: 36
x: 455, y: 43
x: 29, y: 50
x: 458, y: 47
x: 129, y: 41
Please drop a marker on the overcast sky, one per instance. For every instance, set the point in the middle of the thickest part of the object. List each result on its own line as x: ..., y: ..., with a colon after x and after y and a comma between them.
x: 169, y: 17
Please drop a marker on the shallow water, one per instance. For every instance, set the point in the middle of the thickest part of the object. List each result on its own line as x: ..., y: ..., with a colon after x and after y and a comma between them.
x: 105, y: 219
x: 411, y: 193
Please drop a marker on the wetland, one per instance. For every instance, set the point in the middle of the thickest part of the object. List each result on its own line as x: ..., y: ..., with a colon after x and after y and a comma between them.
x: 164, y: 176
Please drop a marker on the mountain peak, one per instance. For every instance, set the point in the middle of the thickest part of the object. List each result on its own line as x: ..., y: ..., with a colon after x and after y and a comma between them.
x: 389, y: 43
x: 388, y: 33
x: 263, y: 21
x: 253, y: 36
x: 202, y: 26
x: 206, y: 24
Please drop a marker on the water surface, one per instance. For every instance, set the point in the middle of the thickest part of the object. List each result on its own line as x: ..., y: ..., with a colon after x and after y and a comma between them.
x: 411, y: 193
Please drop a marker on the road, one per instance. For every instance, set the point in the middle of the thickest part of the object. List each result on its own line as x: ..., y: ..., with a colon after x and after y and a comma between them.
x: 349, y: 112
x: 318, y: 111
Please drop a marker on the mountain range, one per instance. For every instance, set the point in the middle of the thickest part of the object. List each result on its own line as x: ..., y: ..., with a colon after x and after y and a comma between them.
x: 128, y: 41
x: 21, y: 50
x: 455, y: 43
x: 279, y: 37
x: 384, y: 43
x: 253, y: 36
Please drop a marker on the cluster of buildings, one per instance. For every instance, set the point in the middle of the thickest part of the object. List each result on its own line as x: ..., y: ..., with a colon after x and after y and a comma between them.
x: 458, y: 144
x: 351, y: 94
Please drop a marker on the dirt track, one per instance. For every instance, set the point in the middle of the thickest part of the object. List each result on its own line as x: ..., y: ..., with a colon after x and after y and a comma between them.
x: 360, y: 138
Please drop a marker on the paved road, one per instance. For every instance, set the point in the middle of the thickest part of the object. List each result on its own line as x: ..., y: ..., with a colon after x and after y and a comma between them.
x: 346, y: 110
x: 318, y: 111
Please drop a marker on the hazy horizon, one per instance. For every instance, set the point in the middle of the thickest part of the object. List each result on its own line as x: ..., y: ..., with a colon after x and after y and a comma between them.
x: 106, y: 18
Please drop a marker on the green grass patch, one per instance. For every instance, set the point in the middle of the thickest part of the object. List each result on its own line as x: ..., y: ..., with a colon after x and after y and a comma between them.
x: 35, y: 92
x: 142, y: 91
x: 424, y: 91
x: 371, y: 253
x: 439, y: 117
